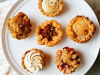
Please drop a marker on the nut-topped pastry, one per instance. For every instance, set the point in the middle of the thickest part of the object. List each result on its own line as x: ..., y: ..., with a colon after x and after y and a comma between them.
x: 19, y: 26
x: 67, y: 60
x: 33, y: 60
x: 80, y: 29
x: 50, y: 7
x: 49, y: 33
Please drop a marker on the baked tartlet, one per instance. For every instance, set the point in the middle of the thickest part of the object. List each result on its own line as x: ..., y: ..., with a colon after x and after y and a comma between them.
x: 50, y: 7
x: 49, y: 33
x: 33, y: 60
x: 80, y: 29
x: 67, y: 60
x: 19, y: 26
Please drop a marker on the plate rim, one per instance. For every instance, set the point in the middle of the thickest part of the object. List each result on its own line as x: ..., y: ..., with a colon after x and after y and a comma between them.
x: 3, y: 41
x: 4, y: 49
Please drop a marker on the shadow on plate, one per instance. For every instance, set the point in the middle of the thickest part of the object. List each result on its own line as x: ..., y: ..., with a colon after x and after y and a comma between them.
x: 33, y: 29
x: 65, y: 9
x: 48, y: 60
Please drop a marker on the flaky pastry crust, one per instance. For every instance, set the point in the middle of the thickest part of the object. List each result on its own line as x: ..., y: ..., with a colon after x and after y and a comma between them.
x: 60, y: 8
x: 54, y: 39
x: 38, y: 51
x: 80, y: 29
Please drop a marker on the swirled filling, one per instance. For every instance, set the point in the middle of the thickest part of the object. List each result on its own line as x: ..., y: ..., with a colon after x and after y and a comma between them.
x: 33, y: 61
x: 50, y: 6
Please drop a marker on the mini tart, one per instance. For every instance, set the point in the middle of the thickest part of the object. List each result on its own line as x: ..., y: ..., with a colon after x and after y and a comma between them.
x: 49, y: 33
x: 50, y: 6
x: 67, y: 60
x: 80, y: 29
x: 34, y: 59
x: 19, y: 26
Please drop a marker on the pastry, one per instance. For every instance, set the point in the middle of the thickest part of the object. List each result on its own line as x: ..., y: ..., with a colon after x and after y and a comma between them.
x: 67, y: 60
x: 80, y: 29
x: 49, y: 33
x: 19, y: 26
x: 33, y: 60
x: 50, y: 7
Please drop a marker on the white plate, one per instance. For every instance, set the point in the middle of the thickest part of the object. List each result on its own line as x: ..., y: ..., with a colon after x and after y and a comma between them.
x: 14, y: 49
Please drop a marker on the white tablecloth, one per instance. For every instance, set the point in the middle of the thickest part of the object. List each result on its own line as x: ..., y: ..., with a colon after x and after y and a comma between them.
x: 5, y: 68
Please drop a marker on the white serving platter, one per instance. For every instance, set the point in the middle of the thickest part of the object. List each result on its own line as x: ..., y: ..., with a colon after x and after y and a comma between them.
x: 14, y: 49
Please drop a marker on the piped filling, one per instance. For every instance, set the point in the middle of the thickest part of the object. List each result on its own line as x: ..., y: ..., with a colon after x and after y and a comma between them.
x: 33, y: 61
x: 50, y: 6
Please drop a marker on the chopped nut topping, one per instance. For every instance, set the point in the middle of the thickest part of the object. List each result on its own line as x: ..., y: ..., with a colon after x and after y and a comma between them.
x: 48, y: 32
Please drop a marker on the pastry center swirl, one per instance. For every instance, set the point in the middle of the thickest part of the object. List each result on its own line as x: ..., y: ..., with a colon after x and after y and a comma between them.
x: 81, y: 29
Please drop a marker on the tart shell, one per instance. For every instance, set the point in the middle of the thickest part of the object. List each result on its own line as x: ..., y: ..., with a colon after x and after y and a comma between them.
x: 42, y: 54
x: 67, y: 60
x: 19, y: 26
x: 84, y: 28
x: 60, y: 8
x: 55, y: 39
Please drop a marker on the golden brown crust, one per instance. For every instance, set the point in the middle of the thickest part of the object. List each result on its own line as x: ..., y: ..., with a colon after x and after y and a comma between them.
x: 19, y: 26
x: 80, y: 29
x: 42, y: 54
x: 67, y: 60
x: 60, y: 8
x: 55, y: 39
